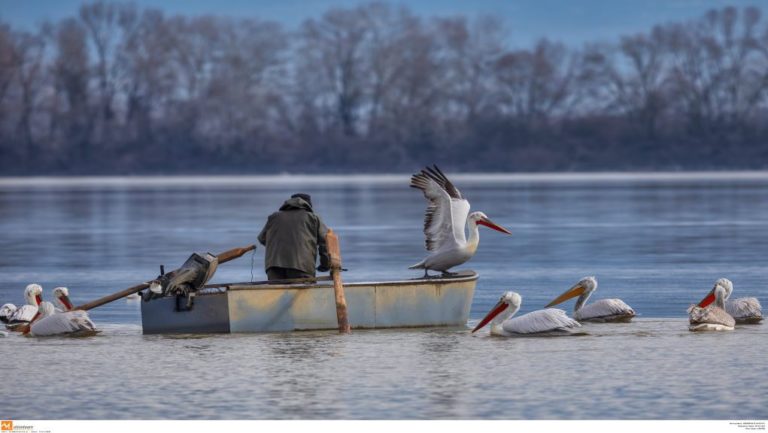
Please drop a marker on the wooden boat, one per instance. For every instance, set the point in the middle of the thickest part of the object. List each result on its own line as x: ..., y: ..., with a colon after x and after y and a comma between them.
x: 250, y: 307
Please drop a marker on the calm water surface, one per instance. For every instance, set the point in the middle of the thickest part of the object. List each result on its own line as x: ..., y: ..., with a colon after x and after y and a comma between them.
x: 659, y: 244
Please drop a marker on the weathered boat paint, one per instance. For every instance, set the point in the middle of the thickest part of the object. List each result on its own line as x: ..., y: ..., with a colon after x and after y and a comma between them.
x: 244, y: 307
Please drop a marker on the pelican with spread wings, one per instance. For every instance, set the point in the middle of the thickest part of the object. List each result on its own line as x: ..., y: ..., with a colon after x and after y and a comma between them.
x: 444, y: 223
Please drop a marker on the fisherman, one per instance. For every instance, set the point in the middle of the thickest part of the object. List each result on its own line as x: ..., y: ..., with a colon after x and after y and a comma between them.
x: 293, y: 236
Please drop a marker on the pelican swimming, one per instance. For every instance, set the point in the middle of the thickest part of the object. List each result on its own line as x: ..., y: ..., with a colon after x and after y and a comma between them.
x: 711, y: 316
x: 743, y: 310
x: 61, y: 297
x: 447, y: 215
x: 33, y: 294
x: 551, y: 321
x: 602, y: 310
x: 71, y: 323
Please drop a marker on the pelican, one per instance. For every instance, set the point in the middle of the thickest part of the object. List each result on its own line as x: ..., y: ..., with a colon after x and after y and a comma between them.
x: 711, y: 317
x: 61, y: 297
x: 743, y: 310
x: 603, y: 310
x: 71, y: 323
x: 6, y: 311
x: 33, y: 293
x: 551, y: 321
x: 447, y: 214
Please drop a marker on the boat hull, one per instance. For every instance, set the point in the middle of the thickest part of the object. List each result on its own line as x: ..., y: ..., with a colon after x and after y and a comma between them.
x: 245, y: 307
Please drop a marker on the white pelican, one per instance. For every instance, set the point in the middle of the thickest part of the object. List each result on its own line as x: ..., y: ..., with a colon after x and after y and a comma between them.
x: 33, y: 294
x: 447, y: 214
x: 743, y: 310
x: 712, y: 317
x: 602, y: 310
x: 71, y: 323
x: 6, y: 311
x: 551, y: 321
x: 61, y: 298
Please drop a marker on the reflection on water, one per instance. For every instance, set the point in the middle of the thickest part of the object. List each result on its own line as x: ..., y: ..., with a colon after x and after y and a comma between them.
x: 653, y: 368
x: 658, y: 245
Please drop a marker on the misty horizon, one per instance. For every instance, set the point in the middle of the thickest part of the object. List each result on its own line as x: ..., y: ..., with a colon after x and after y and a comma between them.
x: 116, y: 88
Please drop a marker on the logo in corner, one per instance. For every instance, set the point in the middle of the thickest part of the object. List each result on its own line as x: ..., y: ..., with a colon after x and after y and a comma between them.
x: 6, y: 425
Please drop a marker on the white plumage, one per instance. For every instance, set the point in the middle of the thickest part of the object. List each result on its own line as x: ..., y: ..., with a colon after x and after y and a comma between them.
x: 50, y: 323
x: 602, y: 310
x: 550, y: 321
x: 745, y: 310
x: 445, y: 220
x: 25, y: 313
x: 539, y: 321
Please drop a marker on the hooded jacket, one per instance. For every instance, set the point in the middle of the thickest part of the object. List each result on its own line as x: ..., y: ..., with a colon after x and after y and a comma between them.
x: 293, y: 236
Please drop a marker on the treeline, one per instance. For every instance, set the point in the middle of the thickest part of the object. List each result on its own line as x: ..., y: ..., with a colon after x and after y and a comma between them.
x: 119, y: 89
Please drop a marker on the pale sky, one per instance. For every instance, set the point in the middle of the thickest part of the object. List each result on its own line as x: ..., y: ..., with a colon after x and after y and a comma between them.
x: 569, y: 21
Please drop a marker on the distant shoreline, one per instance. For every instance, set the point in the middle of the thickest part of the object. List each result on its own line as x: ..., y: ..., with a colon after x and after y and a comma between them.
x: 335, y: 179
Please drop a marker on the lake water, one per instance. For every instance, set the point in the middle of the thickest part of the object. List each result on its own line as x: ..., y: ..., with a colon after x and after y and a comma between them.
x: 656, y: 241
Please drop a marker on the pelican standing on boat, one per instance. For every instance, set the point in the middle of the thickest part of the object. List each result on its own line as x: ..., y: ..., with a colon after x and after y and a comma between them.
x: 447, y: 215
x: 48, y: 322
x: 743, y: 310
x: 711, y: 317
x: 602, y: 310
x: 547, y: 322
x: 33, y: 294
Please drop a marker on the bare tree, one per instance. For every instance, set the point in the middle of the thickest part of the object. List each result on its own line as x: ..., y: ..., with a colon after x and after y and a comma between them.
x: 536, y: 85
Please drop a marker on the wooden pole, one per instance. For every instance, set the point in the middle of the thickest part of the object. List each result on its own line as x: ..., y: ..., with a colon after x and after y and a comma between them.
x: 222, y: 258
x: 332, y: 241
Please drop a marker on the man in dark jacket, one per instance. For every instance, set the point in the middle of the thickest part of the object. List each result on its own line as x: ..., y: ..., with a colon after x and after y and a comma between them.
x: 293, y: 236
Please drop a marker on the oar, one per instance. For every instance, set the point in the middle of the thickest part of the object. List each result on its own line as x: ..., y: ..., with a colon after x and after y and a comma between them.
x: 223, y: 258
x: 332, y: 242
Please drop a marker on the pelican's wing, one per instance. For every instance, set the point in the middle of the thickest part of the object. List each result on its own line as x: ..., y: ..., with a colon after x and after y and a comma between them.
x: 603, y: 308
x: 712, y: 315
x: 62, y: 323
x: 744, y: 308
x: 447, y: 210
x: 550, y: 319
x: 25, y: 313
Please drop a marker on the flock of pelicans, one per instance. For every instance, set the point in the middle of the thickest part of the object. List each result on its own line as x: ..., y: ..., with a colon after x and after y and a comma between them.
x: 716, y: 312
x: 447, y: 216
x: 40, y: 318
x: 445, y: 224
x: 713, y: 313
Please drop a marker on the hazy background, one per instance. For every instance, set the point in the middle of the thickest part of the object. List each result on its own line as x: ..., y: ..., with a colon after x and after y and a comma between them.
x: 167, y: 87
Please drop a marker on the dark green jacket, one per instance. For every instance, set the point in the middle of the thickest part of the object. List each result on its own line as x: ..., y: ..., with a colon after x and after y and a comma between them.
x: 293, y: 236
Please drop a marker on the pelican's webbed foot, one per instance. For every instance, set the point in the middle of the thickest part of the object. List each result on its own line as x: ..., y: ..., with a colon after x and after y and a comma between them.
x: 447, y: 274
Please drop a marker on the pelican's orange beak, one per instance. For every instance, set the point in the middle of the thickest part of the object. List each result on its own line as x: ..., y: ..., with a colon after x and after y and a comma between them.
x: 710, y: 298
x: 498, y: 308
x: 488, y: 223
x: 573, y: 292
x: 67, y: 303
